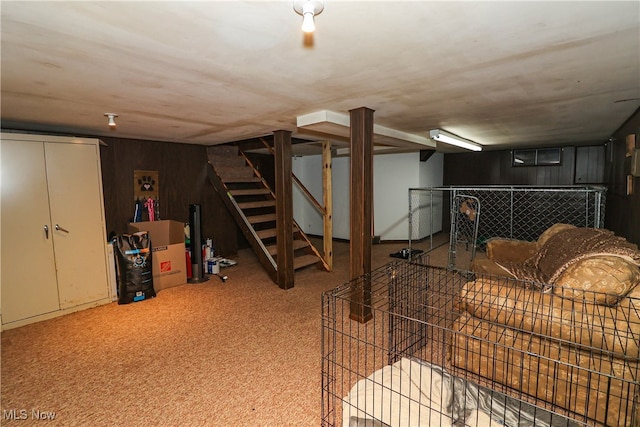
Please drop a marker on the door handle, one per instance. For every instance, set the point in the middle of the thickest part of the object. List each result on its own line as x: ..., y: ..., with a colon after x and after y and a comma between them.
x: 46, y: 231
x: 61, y: 229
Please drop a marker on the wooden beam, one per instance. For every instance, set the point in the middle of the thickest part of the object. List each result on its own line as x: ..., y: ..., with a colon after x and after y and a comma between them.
x: 327, y: 194
x: 284, y: 209
x: 361, y: 217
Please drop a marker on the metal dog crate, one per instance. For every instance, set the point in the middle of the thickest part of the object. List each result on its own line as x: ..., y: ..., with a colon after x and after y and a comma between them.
x: 473, y: 215
x: 415, y: 318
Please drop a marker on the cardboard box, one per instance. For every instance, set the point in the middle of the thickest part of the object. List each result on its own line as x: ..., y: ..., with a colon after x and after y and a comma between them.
x: 168, y: 256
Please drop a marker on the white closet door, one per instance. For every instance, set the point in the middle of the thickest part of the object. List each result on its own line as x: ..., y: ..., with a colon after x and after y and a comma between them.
x: 75, y: 197
x: 28, y: 277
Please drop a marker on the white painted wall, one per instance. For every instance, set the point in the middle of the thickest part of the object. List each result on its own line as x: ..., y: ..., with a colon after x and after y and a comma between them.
x: 308, y: 169
x: 427, y: 211
x: 393, y: 175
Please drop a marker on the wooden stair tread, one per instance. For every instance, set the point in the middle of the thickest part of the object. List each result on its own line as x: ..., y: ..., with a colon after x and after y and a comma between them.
x: 258, y: 204
x: 250, y: 192
x: 257, y: 219
x: 265, y: 234
x: 304, y: 261
x: 228, y: 168
x: 232, y: 179
x: 228, y: 161
x: 271, y: 232
x: 297, y: 244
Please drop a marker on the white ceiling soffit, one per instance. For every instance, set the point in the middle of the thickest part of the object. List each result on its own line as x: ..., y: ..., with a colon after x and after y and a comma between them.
x: 336, y: 126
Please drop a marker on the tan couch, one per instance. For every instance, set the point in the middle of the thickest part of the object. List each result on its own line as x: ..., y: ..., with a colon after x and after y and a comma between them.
x: 565, y: 330
x: 512, y: 251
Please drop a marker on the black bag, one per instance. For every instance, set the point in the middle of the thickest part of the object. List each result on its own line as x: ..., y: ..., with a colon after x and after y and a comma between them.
x: 133, y: 259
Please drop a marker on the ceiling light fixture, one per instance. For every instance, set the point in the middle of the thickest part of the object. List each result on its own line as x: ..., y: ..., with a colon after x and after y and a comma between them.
x: 449, y: 138
x: 112, y: 119
x: 308, y: 9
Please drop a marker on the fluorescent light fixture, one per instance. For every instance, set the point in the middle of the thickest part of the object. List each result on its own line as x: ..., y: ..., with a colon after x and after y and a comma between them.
x: 449, y: 138
x: 308, y: 9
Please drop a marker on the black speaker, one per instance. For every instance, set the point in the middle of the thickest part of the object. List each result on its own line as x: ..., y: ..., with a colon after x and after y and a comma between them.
x: 195, y: 235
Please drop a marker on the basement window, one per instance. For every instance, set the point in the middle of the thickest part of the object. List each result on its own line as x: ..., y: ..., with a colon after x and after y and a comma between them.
x: 537, y: 157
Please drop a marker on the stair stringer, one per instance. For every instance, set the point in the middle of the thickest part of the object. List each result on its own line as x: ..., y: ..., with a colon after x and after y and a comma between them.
x: 266, y: 260
x: 297, y: 228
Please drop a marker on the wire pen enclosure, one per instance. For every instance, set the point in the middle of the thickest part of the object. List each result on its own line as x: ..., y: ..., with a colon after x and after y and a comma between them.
x: 451, y: 348
x: 476, y: 214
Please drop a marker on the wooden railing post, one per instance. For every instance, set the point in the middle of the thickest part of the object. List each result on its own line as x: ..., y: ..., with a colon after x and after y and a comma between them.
x: 327, y: 194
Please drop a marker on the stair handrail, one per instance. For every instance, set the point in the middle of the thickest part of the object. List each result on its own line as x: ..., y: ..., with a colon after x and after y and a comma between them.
x: 321, y: 209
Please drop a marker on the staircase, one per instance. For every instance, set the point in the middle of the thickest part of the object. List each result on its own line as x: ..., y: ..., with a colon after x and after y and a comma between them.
x: 253, y: 206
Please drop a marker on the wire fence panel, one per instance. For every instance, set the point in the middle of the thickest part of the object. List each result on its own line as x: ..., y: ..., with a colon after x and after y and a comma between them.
x: 516, y: 212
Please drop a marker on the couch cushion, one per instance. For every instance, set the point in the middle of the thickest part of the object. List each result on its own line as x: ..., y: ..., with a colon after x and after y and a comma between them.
x: 552, y: 231
x: 510, y: 250
x: 602, y: 279
x: 489, y: 267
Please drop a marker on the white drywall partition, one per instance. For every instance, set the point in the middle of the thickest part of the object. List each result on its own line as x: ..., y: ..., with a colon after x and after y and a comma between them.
x: 428, y: 213
x: 393, y: 175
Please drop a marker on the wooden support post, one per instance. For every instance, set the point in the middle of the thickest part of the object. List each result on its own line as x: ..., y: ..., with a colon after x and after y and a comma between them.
x: 284, y: 208
x: 327, y: 194
x: 361, y: 223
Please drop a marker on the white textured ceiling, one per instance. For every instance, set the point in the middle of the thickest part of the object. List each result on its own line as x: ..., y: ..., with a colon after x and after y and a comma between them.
x: 503, y: 74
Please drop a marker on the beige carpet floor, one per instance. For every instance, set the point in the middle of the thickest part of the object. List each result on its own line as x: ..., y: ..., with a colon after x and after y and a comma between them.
x: 240, y: 353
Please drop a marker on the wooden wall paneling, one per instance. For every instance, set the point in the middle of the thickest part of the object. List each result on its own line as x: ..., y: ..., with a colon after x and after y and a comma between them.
x: 568, y: 168
x: 505, y: 167
x: 551, y: 174
x: 623, y: 211
x: 496, y: 169
x: 463, y: 168
x: 617, y: 183
x: 182, y: 170
x: 521, y: 175
x: 590, y: 164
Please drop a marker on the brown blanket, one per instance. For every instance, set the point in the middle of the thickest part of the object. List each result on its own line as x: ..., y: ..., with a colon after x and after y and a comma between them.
x: 568, y: 247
